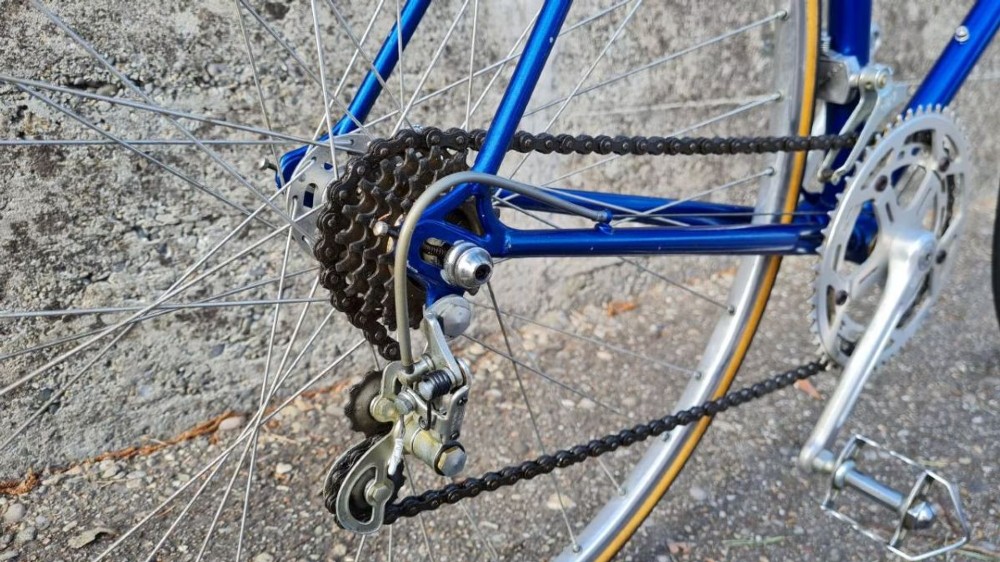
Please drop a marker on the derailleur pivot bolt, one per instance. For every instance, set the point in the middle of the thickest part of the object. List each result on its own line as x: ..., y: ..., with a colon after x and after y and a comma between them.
x: 436, y: 384
x: 467, y: 266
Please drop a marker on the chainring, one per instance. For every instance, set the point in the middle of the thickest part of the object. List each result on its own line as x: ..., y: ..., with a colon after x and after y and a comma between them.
x: 913, y: 176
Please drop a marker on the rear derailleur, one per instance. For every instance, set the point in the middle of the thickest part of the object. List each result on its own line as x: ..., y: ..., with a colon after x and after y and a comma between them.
x: 417, y: 412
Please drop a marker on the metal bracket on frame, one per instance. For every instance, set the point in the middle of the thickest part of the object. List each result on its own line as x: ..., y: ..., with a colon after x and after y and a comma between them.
x: 841, y: 79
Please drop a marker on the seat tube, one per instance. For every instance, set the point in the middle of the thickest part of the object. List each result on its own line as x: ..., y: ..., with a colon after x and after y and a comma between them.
x: 849, y: 27
x: 522, y: 84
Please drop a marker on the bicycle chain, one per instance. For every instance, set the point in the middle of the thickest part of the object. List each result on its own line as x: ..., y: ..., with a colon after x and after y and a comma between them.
x: 510, y: 475
x: 382, y: 184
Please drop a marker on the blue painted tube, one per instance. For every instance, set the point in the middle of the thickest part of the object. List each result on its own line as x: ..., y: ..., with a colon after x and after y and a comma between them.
x: 385, y: 61
x: 850, y: 24
x: 956, y: 61
x: 522, y: 84
x: 778, y: 239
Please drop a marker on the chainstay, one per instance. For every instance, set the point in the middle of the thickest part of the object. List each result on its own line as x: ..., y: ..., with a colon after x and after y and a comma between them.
x: 382, y: 184
x: 510, y: 475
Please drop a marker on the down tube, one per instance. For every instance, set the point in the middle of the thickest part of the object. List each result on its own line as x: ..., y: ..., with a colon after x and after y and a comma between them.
x: 959, y: 56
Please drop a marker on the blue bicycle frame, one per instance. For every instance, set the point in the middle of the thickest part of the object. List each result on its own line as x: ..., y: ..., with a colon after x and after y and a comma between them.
x: 700, y: 228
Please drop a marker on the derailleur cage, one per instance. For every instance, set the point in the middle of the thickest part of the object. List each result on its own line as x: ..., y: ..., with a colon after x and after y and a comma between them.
x: 425, y: 403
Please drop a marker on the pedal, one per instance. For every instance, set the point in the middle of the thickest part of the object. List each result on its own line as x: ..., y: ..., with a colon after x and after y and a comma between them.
x: 915, y: 510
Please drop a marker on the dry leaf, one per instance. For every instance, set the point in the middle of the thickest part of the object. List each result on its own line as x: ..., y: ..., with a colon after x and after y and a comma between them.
x: 680, y: 547
x: 805, y: 386
x: 614, y: 308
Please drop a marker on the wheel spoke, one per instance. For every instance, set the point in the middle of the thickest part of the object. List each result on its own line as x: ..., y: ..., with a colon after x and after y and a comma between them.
x: 273, y: 135
x: 531, y: 412
x: 499, y: 65
x: 244, y: 436
x: 226, y: 166
x: 474, y: 521
x: 655, y: 211
x: 638, y: 265
x: 276, y: 385
x: 510, y: 357
x: 252, y: 60
x: 279, y: 39
x: 583, y: 78
x: 166, y: 167
x: 592, y: 340
x: 141, y: 142
x: 660, y: 61
x: 178, y: 286
x: 434, y: 59
x: 359, y: 50
x: 420, y: 519
x: 262, y: 402
x: 472, y: 65
x: 166, y: 308
x: 326, y: 93
x: 59, y: 393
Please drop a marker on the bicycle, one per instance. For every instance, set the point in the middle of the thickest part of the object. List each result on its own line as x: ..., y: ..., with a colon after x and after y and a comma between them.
x: 386, y: 211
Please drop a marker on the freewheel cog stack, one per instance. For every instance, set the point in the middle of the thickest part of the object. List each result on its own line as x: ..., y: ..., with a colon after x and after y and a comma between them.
x: 912, y: 177
x: 356, y: 261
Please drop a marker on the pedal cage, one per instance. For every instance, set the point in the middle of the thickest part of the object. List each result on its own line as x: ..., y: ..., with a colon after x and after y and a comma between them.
x: 907, y: 506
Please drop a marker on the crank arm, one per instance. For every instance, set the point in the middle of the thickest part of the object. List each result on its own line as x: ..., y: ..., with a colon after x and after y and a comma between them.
x: 911, y: 255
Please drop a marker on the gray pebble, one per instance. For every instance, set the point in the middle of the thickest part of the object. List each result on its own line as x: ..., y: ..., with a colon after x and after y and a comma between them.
x: 26, y: 534
x: 15, y: 512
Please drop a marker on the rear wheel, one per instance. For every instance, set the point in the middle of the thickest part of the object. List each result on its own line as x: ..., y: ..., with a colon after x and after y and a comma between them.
x: 181, y: 294
x: 996, y: 260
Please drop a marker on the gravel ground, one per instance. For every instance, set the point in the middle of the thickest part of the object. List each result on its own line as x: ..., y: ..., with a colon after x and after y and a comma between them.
x: 66, y: 242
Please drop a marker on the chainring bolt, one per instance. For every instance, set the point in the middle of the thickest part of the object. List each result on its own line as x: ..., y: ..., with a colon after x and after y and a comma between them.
x: 840, y: 297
